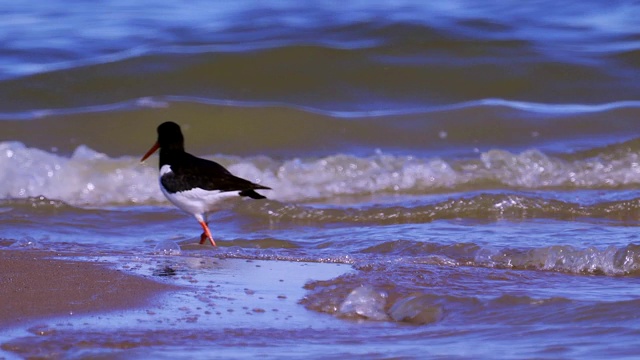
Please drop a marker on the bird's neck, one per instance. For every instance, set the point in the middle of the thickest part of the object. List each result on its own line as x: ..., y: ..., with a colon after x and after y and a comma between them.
x: 170, y: 154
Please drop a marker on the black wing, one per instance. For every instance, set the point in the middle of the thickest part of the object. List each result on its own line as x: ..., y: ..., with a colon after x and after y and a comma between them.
x: 193, y: 172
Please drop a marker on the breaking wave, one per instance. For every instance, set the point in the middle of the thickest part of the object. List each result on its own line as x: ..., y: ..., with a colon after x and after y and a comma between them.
x: 415, y: 285
x: 90, y: 178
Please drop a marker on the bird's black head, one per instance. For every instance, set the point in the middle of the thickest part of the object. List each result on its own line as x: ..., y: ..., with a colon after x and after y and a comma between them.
x: 170, y: 136
x: 170, y: 140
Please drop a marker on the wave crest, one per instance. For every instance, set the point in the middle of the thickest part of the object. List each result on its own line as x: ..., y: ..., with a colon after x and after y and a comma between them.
x: 90, y: 178
x: 611, y: 261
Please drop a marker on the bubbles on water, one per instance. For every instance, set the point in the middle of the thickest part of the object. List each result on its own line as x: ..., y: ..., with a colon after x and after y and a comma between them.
x: 486, y: 256
x: 612, y: 261
x: 365, y: 301
x: 419, y: 310
x: 167, y: 247
x: 27, y: 242
x: 628, y: 259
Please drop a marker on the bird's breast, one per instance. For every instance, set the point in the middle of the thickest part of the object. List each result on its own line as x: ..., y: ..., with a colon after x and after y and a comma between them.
x: 165, y: 169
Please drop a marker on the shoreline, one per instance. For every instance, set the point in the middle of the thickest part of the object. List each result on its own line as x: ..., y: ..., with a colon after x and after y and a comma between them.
x: 108, y: 307
x: 36, y: 286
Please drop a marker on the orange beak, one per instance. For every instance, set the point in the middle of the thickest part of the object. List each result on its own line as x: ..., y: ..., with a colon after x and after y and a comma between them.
x: 153, y: 149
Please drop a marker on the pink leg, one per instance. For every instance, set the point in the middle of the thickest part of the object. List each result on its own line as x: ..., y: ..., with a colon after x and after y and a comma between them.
x: 206, y: 234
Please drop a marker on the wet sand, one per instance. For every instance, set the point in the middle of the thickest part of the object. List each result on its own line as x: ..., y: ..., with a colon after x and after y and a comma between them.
x: 112, y: 305
x: 34, y: 285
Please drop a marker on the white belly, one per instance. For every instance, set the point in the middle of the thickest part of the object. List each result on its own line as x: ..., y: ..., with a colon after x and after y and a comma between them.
x: 198, y: 201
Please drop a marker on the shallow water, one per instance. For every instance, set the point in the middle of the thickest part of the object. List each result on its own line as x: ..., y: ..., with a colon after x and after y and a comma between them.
x: 475, y: 166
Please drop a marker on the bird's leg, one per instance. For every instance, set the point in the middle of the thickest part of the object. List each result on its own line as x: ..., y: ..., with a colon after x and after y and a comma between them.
x: 206, y: 234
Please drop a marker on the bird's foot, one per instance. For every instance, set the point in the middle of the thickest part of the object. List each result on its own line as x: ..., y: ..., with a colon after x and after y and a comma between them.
x: 206, y: 235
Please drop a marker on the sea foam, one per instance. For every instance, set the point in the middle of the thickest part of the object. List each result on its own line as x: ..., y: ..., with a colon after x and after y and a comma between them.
x: 90, y: 178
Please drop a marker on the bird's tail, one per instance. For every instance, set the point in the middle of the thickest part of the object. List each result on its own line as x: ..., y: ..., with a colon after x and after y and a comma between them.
x: 252, y: 194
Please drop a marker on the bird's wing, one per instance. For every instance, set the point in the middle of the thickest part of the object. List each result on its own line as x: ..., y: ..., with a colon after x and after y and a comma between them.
x: 204, y: 174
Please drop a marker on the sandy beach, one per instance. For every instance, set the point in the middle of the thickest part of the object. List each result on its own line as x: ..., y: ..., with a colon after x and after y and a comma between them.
x: 55, y: 306
x: 36, y: 286
x: 453, y: 180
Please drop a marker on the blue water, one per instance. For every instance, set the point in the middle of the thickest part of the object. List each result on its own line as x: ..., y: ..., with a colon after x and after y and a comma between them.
x: 474, y: 165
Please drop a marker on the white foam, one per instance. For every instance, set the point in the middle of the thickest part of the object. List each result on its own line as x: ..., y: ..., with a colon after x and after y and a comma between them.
x: 167, y: 247
x: 86, y: 178
x: 365, y: 301
x: 90, y: 178
x: 612, y: 260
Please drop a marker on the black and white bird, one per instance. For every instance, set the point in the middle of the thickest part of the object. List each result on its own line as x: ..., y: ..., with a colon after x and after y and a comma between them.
x: 195, y: 185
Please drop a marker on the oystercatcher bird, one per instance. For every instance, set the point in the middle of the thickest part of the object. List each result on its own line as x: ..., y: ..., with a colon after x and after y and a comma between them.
x: 195, y: 185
